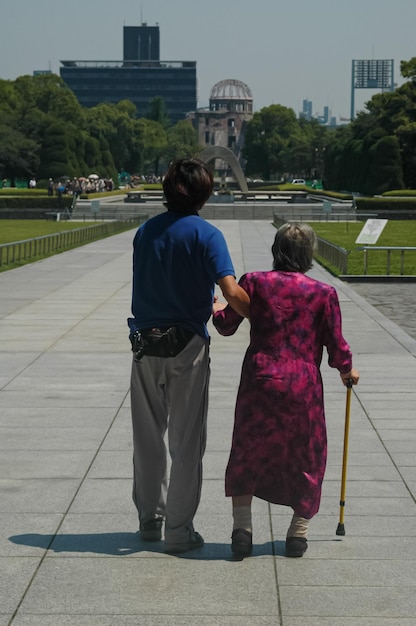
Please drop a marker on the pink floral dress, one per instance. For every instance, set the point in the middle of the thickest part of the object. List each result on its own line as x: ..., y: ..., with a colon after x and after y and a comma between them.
x: 279, y: 445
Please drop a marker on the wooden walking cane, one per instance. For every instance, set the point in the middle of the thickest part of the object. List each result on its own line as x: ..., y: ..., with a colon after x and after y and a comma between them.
x: 341, y: 527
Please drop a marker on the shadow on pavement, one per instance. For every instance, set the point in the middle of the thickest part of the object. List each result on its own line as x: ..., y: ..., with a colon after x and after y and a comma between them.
x: 125, y: 544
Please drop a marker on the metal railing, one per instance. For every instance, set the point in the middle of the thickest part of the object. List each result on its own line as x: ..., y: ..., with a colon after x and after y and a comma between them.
x: 335, y: 255
x: 46, y: 245
x: 388, y: 249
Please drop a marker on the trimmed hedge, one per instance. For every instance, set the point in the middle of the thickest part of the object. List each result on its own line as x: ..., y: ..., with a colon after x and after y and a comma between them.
x: 49, y: 203
x: 400, y: 193
x: 332, y: 195
x: 94, y: 195
x: 18, y: 191
x: 386, y: 204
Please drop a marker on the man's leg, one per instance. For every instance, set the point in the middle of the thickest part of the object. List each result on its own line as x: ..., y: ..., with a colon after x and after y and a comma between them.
x: 188, y: 376
x: 149, y: 418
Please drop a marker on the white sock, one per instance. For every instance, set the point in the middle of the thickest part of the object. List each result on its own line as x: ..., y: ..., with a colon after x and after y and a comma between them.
x: 242, y: 518
x: 298, y: 527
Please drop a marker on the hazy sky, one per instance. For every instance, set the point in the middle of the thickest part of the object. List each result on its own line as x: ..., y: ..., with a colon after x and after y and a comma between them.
x: 284, y: 51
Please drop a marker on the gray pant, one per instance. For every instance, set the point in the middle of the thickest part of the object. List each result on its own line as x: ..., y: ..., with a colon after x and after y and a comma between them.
x: 170, y: 394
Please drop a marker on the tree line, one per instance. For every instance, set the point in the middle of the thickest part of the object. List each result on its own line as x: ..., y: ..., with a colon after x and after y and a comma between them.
x: 44, y: 132
x: 372, y: 154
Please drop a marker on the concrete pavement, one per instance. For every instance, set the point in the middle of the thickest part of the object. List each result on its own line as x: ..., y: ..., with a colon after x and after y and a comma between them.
x: 69, y: 551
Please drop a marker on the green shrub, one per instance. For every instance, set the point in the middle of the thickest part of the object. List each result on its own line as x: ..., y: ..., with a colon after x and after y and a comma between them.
x: 22, y: 192
x: 335, y: 195
x: 402, y: 193
x: 386, y: 204
x: 152, y: 187
x: 44, y: 202
x: 103, y: 194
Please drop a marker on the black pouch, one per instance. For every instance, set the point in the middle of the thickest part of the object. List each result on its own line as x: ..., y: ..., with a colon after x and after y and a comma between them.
x: 160, y: 342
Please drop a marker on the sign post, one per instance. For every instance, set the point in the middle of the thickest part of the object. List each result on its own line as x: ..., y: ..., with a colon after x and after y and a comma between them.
x: 371, y: 231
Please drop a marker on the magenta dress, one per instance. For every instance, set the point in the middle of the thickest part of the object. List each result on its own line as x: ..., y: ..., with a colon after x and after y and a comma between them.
x: 279, y: 444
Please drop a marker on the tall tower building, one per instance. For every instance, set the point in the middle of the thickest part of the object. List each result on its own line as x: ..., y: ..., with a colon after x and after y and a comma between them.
x: 307, y: 109
x: 141, y: 43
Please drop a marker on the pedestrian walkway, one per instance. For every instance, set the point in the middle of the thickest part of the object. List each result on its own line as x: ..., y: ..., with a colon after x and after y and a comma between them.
x: 69, y: 551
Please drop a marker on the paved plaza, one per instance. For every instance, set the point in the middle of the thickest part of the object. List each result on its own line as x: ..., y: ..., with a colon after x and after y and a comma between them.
x: 396, y: 300
x: 70, y: 554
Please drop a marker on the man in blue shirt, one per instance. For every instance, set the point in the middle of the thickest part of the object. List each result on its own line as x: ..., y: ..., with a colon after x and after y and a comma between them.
x: 177, y: 260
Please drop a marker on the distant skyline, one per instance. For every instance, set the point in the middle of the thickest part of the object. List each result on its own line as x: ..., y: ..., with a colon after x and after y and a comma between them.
x: 285, y: 52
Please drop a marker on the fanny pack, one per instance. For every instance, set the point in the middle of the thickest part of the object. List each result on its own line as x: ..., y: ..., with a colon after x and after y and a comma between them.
x: 162, y: 342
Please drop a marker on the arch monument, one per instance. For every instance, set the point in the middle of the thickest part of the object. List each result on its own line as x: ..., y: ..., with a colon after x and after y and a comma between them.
x: 219, y: 152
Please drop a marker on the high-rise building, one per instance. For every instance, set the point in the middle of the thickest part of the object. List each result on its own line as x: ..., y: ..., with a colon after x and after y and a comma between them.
x: 324, y: 119
x: 307, y: 109
x: 139, y: 77
x: 141, y: 43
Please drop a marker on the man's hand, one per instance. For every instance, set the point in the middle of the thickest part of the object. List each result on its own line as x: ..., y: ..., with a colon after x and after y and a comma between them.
x: 217, y: 306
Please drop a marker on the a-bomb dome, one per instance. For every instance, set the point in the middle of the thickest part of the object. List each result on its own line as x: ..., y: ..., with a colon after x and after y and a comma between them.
x: 231, y: 89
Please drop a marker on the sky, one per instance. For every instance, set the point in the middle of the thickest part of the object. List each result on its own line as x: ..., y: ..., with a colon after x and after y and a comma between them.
x: 285, y: 52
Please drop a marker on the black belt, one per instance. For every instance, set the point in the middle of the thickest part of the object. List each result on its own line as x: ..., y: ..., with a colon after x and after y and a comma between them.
x: 163, y: 342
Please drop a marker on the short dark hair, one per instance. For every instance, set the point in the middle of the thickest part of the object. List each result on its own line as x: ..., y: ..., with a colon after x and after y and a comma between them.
x: 293, y: 247
x: 187, y: 185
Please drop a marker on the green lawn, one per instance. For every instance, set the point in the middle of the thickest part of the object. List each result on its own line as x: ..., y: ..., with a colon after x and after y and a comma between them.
x: 19, y: 230
x: 395, y: 233
x: 30, y: 248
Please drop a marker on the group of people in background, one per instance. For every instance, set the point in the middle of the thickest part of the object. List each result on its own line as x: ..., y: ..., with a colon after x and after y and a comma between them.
x: 78, y: 186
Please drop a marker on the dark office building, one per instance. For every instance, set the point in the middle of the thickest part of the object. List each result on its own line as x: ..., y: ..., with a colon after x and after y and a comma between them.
x: 141, y: 43
x: 139, y: 77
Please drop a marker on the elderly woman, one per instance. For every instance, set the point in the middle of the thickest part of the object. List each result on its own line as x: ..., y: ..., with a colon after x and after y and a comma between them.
x: 279, y: 444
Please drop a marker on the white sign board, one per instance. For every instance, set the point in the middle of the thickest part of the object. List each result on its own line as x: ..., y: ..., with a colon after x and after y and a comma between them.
x: 371, y: 231
x: 95, y: 206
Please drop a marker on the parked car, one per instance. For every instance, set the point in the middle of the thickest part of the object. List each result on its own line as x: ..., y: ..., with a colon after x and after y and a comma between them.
x: 298, y: 181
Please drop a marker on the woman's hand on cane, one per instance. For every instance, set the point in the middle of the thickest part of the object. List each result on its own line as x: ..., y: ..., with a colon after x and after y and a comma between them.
x: 353, y: 375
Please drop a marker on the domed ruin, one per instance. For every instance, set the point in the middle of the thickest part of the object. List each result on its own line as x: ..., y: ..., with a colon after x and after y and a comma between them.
x: 231, y: 95
x: 231, y: 89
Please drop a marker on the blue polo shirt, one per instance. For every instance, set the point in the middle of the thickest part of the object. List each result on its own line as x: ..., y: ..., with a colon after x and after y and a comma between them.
x: 177, y: 259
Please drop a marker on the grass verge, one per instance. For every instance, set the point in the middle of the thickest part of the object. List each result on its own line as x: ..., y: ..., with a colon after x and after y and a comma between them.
x: 396, y: 233
x: 12, y: 231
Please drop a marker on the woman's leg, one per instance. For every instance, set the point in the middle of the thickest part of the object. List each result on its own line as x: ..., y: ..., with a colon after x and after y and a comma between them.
x: 298, y: 527
x: 242, y: 543
x: 242, y: 512
x: 296, y: 543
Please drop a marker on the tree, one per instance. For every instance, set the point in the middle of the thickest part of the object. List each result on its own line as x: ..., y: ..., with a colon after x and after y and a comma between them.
x: 8, y: 99
x: 267, y: 139
x: 115, y: 124
x: 152, y: 143
x: 408, y: 68
x: 182, y: 141
x: 376, y: 152
x: 55, y: 158
x: 158, y: 112
x: 406, y: 135
x: 19, y: 155
x: 277, y: 142
x: 386, y: 165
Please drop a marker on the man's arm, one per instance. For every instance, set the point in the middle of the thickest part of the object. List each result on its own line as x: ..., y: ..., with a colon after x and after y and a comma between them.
x: 235, y: 295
